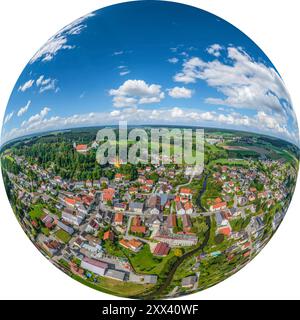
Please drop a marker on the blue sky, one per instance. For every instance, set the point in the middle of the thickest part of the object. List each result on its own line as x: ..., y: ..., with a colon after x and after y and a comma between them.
x: 150, y: 62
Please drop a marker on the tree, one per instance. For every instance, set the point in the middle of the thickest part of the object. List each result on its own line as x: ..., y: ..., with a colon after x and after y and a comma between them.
x: 219, y: 238
x: 175, y: 229
x: 109, y: 174
x: 100, y: 234
x: 154, y: 176
x: 178, y: 252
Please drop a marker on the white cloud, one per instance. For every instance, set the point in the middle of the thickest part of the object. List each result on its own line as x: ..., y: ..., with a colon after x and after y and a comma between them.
x: 134, y: 92
x: 118, y: 53
x: 35, y: 121
x: 259, y: 122
x: 60, y: 41
x: 191, y: 71
x: 40, y: 81
x: 176, y: 112
x: 121, y: 101
x: 24, y: 109
x: 43, y: 83
x: 244, y: 82
x: 215, y: 50
x: 46, y: 84
x: 51, y: 48
x: 8, y: 117
x: 173, y: 60
x: 123, y: 73
x: 28, y: 84
x: 44, y: 112
x: 123, y: 70
x: 180, y: 92
x: 274, y: 123
x: 183, y: 53
x: 115, y: 113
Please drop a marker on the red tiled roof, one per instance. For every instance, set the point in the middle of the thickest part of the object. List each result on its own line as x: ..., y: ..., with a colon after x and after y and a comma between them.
x: 247, y: 244
x: 218, y: 200
x: 135, y: 243
x: 70, y: 201
x: 188, y: 206
x: 138, y: 229
x: 172, y: 221
x: 161, y: 249
x: 225, y: 231
x: 247, y: 253
x: 81, y: 147
x: 185, y: 190
x: 118, y: 217
x: 129, y: 244
x: 177, y: 199
x: 219, y: 205
x: 108, y: 235
x: 108, y: 194
x: 136, y: 221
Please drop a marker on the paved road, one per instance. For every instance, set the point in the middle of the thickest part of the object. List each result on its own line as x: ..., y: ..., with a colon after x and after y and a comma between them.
x: 128, y: 226
x: 185, y: 184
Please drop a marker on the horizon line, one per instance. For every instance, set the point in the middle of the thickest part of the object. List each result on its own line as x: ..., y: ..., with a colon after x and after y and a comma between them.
x: 145, y: 125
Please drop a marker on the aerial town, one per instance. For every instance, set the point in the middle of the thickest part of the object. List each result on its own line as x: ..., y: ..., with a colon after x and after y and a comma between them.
x: 149, y: 231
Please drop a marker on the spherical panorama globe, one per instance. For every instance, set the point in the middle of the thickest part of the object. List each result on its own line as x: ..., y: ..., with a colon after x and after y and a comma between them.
x: 149, y: 149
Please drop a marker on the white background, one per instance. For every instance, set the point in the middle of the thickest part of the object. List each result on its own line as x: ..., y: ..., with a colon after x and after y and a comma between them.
x: 26, y: 25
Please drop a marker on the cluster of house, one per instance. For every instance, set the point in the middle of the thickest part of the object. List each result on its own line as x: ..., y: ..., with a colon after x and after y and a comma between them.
x: 240, y: 197
x: 148, y: 212
x: 141, y: 212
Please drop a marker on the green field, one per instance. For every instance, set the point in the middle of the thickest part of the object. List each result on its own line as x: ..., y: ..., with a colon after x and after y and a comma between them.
x: 229, y: 162
x: 115, y: 287
x: 36, y: 212
x: 10, y: 158
x: 63, y: 236
x: 145, y: 262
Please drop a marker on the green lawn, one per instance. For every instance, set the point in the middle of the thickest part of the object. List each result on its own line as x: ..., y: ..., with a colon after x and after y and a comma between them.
x: 36, y: 212
x: 229, y: 162
x: 45, y: 231
x: 113, y: 249
x: 9, y: 158
x: 63, y: 236
x: 145, y: 262
x: 118, y: 288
